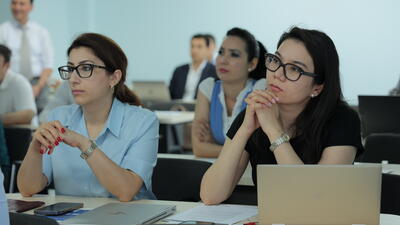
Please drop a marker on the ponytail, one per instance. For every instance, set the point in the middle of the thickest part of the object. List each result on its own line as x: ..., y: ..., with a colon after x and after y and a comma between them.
x: 260, y: 70
x: 125, y: 95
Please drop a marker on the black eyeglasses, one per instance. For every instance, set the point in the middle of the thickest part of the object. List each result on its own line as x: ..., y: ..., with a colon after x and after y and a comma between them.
x: 83, y: 70
x: 291, y: 71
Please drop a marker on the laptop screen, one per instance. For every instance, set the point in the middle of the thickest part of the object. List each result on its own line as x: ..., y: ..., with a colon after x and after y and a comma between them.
x: 319, y: 194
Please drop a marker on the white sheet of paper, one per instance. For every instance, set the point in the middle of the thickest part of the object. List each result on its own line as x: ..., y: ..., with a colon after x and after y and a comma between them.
x: 389, y: 219
x: 226, y: 214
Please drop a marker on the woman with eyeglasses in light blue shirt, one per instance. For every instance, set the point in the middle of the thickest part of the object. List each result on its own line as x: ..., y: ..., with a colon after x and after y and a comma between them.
x: 102, y: 146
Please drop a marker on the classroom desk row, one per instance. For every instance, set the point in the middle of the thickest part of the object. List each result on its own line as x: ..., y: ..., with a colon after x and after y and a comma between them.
x: 90, y: 203
x: 246, y: 179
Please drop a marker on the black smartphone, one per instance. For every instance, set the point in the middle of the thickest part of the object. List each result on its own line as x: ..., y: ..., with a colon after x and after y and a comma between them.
x: 58, y: 208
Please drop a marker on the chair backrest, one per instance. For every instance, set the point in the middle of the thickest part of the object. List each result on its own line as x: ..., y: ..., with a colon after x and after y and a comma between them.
x: 26, y: 219
x: 243, y: 195
x: 18, y: 140
x: 390, y: 195
x: 178, y: 179
x: 379, y: 114
x: 379, y: 147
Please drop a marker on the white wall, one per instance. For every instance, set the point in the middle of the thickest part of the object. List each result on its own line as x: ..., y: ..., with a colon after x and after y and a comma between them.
x: 155, y: 34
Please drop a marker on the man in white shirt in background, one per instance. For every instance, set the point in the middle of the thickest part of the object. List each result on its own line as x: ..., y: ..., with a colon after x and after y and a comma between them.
x: 17, y: 104
x: 4, y: 220
x: 186, y: 78
x: 31, y: 47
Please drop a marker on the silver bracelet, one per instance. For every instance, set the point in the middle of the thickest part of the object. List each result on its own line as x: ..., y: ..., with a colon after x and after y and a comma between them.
x: 282, y: 139
x: 86, y: 154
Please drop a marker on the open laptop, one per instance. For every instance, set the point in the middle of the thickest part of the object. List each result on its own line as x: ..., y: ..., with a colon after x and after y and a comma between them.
x: 123, y: 214
x: 319, y: 194
x: 152, y: 90
x: 379, y: 114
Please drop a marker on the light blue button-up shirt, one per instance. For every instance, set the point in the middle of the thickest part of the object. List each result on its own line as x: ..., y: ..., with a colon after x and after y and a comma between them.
x: 3, y: 203
x: 129, y: 138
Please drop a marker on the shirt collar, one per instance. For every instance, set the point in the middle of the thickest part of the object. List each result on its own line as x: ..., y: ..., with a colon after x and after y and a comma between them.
x: 201, y: 67
x: 19, y: 26
x: 114, y: 120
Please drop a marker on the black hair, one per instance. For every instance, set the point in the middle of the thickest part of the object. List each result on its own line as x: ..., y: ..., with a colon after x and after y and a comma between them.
x: 260, y: 70
x: 310, y: 124
x: 210, y: 38
x: 254, y: 49
x: 202, y: 36
x: 5, y: 52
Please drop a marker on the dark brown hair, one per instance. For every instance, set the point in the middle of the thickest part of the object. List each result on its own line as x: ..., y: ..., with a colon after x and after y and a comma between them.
x: 5, y: 52
x: 114, y: 59
x: 254, y: 49
x: 313, y: 120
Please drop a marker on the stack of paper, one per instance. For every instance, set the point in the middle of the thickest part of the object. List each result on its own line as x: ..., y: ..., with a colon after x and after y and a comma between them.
x: 224, y: 214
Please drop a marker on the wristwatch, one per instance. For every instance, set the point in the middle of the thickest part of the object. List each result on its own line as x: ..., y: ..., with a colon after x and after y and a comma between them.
x: 86, y: 154
x: 282, y: 139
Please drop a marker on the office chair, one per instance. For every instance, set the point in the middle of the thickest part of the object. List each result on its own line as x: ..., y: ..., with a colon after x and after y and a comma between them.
x: 18, y: 140
x: 390, y: 195
x: 382, y: 146
x: 379, y: 114
x: 26, y: 219
x: 178, y: 179
x: 243, y: 195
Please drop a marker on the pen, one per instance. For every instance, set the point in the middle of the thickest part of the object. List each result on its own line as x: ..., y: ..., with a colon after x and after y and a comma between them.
x: 250, y: 223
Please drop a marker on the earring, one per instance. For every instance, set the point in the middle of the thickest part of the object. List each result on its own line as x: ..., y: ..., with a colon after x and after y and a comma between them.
x: 250, y: 69
x: 312, y: 95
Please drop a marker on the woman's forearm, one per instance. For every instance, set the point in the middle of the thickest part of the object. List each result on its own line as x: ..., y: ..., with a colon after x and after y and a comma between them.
x: 206, y: 149
x: 120, y: 182
x: 221, y: 178
x: 30, y: 179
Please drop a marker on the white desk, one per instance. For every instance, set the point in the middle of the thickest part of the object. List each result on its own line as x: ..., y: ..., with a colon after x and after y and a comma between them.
x: 246, y: 179
x: 91, y: 203
x: 387, y: 168
x: 169, y: 119
x: 174, y: 117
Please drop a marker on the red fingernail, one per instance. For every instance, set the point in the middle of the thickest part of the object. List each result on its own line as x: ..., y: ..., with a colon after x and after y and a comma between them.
x: 62, y: 130
x: 56, y: 143
x: 59, y: 139
x: 49, y: 147
x: 41, y: 151
x: 49, y: 152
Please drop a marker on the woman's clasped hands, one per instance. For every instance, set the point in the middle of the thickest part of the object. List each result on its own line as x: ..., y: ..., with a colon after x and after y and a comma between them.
x: 49, y: 135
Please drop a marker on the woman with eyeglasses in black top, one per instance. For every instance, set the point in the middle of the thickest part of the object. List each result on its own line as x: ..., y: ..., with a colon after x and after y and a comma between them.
x: 300, y: 118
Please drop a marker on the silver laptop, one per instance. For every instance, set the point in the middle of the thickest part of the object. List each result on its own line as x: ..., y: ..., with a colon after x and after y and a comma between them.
x: 151, y: 90
x: 123, y: 214
x: 319, y: 194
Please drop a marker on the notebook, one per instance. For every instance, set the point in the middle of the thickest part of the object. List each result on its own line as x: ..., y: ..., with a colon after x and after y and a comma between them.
x: 122, y: 214
x: 319, y: 194
x: 379, y: 114
x: 152, y: 90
